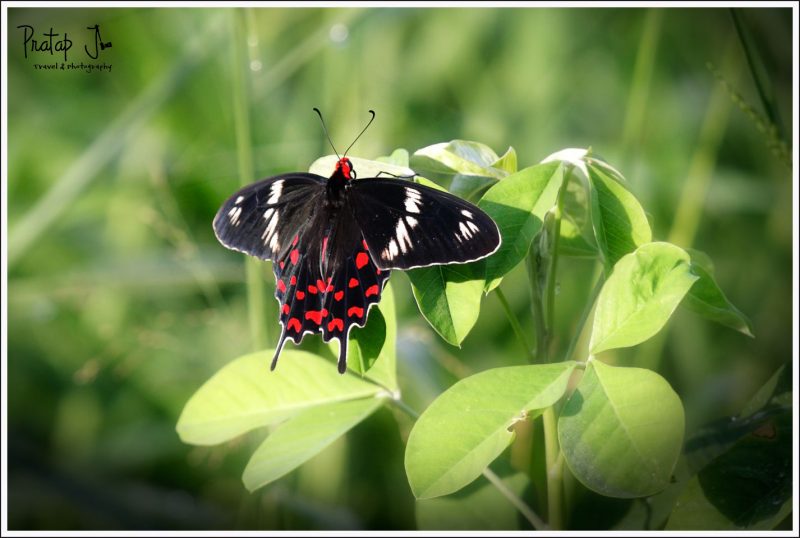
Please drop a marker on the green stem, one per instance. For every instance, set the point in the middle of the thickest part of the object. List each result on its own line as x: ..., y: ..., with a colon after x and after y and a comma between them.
x: 550, y: 282
x: 526, y: 511
x: 554, y: 469
x: 256, y: 295
x: 515, y: 325
x: 584, y: 316
x: 537, y: 309
x: 535, y: 521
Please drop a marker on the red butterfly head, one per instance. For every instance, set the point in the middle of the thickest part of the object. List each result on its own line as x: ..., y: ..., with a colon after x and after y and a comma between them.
x: 344, y: 166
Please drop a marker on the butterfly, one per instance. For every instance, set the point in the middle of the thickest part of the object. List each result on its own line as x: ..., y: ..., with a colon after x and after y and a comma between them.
x: 334, y: 241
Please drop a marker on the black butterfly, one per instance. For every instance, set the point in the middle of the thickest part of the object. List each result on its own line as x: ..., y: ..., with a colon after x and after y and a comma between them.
x: 333, y: 242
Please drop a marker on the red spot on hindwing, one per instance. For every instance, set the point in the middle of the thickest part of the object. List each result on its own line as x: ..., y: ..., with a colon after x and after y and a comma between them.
x: 372, y: 290
x: 295, y: 240
x: 281, y: 264
x: 285, y: 308
x: 338, y: 295
x: 334, y: 323
x: 324, y: 245
x: 300, y: 295
x: 361, y: 259
x: 294, y: 255
x: 281, y: 286
x: 364, y: 242
x: 293, y: 280
x: 312, y: 290
x: 321, y: 285
x: 355, y: 311
x: 353, y: 283
x: 317, y: 315
x: 295, y: 324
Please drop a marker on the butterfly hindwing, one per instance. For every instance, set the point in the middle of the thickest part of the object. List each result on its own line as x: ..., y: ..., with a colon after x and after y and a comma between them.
x: 332, y: 303
x: 261, y: 219
x: 409, y: 225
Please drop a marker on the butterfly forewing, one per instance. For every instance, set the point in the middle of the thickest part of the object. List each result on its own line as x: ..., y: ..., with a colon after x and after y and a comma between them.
x: 409, y: 225
x: 262, y: 218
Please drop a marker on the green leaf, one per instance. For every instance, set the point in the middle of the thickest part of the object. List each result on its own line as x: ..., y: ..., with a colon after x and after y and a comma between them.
x: 706, y: 299
x: 619, y: 222
x: 507, y: 162
x: 244, y: 395
x: 302, y: 437
x: 621, y: 431
x: 748, y: 486
x: 518, y: 204
x: 571, y: 241
x: 471, y: 188
x: 640, y: 295
x: 448, y: 296
x: 324, y: 166
x: 372, y: 350
x: 468, y: 425
x: 458, y: 157
x: 478, y: 506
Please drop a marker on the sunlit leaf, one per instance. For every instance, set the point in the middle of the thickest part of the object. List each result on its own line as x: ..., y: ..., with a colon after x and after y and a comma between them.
x: 707, y: 299
x: 518, y: 204
x: 324, y: 166
x: 640, y: 295
x: 245, y: 394
x: 458, y: 157
x: 302, y: 437
x: 507, y: 162
x: 621, y: 431
x: 468, y: 425
x: 448, y: 296
x: 619, y: 222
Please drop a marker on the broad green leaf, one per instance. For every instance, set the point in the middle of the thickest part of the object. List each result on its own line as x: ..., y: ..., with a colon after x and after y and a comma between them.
x: 640, y: 296
x: 245, y: 394
x: 619, y: 222
x: 621, y: 431
x: 508, y: 161
x: 448, y: 296
x: 746, y: 487
x: 469, y: 425
x: 372, y: 350
x: 478, y: 506
x: 471, y: 188
x: 518, y: 204
x: 302, y: 437
x: 324, y: 166
x: 707, y: 299
x: 458, y: 157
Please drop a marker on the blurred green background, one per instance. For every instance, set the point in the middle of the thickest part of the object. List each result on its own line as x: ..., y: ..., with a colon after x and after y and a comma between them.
x: 121, y: 303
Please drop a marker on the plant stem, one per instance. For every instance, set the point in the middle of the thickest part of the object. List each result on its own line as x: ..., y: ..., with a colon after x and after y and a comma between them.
x: 554, y: 469
x: 518, y: 503
x: 526, y: 511
x: 537, y: 310
x: 515, y: 325
x: 550, y: 281
x: 584, y: 316
x: 256, y: 295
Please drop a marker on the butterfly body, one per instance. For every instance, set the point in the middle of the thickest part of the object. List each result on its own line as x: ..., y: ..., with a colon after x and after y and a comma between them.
x: 334, y: 241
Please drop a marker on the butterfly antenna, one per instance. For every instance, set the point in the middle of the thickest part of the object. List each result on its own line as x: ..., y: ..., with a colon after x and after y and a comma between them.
x: 362, y: 131
x: 324, y: 128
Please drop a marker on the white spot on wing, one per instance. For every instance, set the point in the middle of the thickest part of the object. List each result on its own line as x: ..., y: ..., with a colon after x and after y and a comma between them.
x: 239, y: 199
x: 412, y: 201
x: 234, y: 215
x: 466, y: 213
x: 472, y: 226
x: 275, y: 192
x: 393, y: 251
x: 466, y: 232
x: 402, y: 236
x: 412, y: 222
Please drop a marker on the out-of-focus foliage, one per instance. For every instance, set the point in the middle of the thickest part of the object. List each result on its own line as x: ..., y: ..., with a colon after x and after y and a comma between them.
x: 121, y: 303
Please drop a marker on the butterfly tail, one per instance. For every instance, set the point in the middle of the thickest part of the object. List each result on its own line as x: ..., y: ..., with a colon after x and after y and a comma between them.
x: 342, y: 354
x: 278, y: 349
